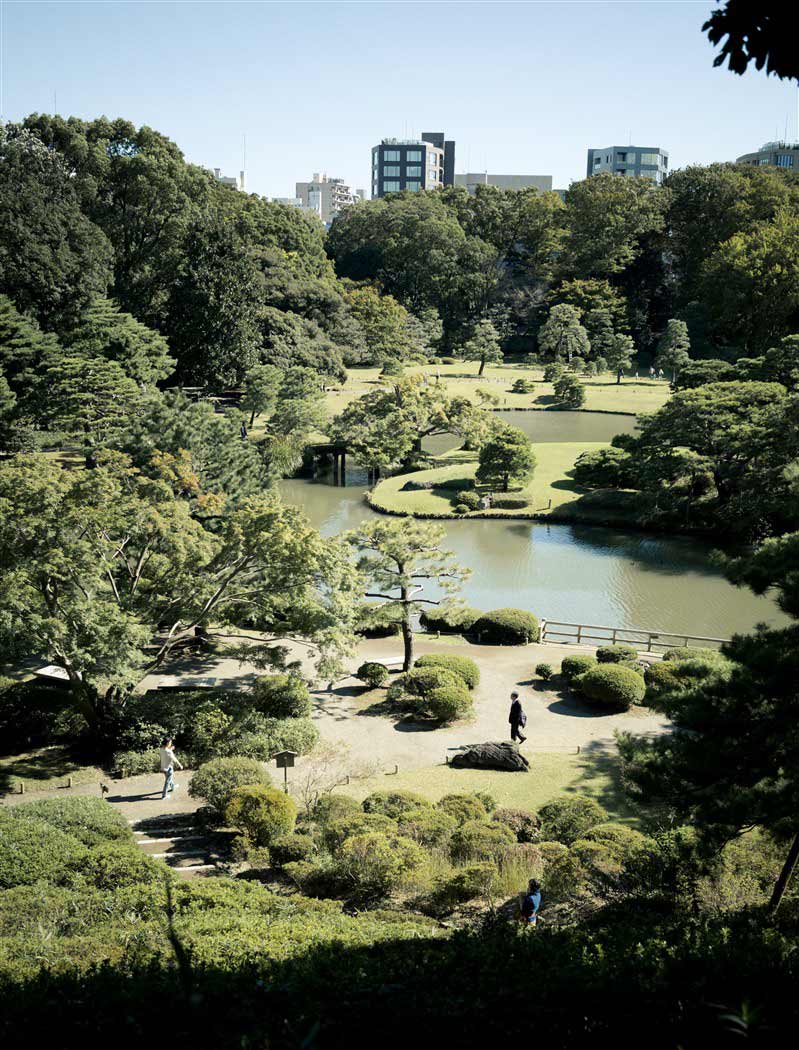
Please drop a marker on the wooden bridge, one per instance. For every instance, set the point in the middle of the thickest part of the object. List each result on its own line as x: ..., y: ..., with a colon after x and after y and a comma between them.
x: 562, y: 633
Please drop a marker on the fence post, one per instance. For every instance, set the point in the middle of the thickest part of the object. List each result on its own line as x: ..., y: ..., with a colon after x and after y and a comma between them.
x: 579, y: 633
x: 613, y: 637
x: 649, y: 642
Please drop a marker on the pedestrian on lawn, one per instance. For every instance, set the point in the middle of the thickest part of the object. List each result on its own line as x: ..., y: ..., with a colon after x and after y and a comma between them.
x: 517, y: 718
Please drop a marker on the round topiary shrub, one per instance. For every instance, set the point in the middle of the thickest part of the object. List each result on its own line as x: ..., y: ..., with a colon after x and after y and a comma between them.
x: 521, y: 386
x: 215, y: 781
x: 572, y: 666
x: 474, y: 880
x: 90, y: 820
x: 616, y: 654
x: 282, y: 696
x: 660, y: 678
x: 613, y: 686
x: 33, y: 851
x: 544, y: 671
x: 478, y: 839
x: 567, y: 819
x: 334, y: 807
x: 463, y: 807
x: 506, y: 627
x: 463, y: 666
x: 334, y: 833
x: 288, y: 848
x: 393, y: 804
x: 372, y: 864
x: 448, y: 621
x: 372, y: 674
x: 462, y: 508
x: 429, y: 827
x: 114, y: 865
x: 448, y: 703
x: 471, y: 500
x: 524, y: 825
x: 262, y: 813
x: 420, y: 682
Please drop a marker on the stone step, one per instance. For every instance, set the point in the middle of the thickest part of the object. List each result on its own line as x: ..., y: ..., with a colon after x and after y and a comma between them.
x: 170, y: 838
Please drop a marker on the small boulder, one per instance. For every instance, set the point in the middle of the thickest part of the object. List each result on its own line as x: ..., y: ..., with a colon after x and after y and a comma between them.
x: 504, y: 755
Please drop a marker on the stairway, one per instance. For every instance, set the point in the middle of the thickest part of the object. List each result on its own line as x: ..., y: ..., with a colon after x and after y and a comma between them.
x: 187, y: 848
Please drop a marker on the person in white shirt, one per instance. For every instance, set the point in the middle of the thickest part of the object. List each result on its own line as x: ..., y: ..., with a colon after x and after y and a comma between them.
x: 168, y: 763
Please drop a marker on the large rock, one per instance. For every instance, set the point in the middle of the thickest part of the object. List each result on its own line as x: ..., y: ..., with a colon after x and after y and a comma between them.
x: 503, y: 755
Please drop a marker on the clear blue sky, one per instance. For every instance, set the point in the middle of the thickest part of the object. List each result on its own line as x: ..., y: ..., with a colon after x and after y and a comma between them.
x: 523, y: 88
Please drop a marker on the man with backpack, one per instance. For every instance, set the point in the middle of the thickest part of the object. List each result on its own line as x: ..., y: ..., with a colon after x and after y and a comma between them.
x: 517, y: 718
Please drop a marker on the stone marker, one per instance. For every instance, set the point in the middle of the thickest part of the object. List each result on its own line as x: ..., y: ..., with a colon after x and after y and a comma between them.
x: 504, y: 755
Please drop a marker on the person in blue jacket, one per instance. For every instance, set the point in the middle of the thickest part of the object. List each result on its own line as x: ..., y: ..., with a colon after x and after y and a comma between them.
x: 532, y: 903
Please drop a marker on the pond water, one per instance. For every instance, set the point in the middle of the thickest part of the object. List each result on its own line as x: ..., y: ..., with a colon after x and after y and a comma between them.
x: 576, y: 573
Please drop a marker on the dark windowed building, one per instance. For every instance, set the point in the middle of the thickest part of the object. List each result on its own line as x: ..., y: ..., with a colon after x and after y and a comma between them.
x: 776, y: 154
x: 649, y: 162
x: 413, y: 164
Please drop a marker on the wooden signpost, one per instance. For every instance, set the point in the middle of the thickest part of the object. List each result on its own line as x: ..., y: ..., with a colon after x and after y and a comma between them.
x: 285, y: 761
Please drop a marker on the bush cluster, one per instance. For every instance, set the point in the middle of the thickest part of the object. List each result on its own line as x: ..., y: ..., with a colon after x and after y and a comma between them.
x: 463, y: 666
x: 613, y: 686
x: 470, y: 500
x: 449, y: 621
x: 616, y: 654
x: 281, y: 696
x: 372, y: 674
x: 432, y: 692
x: 261, y: 813
x: 572, y: 667
x: 215, y: 781
x: 506, y: 627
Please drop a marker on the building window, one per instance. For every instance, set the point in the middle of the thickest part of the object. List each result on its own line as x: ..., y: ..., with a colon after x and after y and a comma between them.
x: 621, y: 158
x: 390, y: 154
x: 413, y: 184
x: 414, y: 172
x: 391, y: 186
x: 390, y: 169
x: 784, y: 160
x: 413, y: 155
x: 652, y: 159
x: 597, y: 160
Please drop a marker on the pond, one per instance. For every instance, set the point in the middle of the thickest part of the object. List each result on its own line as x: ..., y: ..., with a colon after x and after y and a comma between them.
x: 576, y: 573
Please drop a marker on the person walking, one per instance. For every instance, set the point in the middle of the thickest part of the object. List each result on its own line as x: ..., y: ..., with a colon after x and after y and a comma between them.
x: 517, y: 718
x: 168, y: 762
x: 531, y: 903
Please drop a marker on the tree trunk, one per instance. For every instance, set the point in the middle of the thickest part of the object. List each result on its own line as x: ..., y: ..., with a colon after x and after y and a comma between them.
x: 618, y: 377
x: 506, y: 483
x: 252, y: 418
x: 407, y: 638
x: 781, y: 884
x: 482, y: 366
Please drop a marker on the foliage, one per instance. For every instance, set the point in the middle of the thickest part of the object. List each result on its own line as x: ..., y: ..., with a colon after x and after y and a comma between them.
x: 612, y: 685
x: 262, y: 813
x: 372, y: 674
x: 287, y: 849
x: 544, y: 671
x: 616, y: 654
x: 506, y: 627
x: 215, y: 781
x: 454, y: 620
x: 32, y: 850
x: 431, y: 828
x: 752, y: 36
x: 568, y: 819
x: 562, y: 337
x: 281, y: 696
x: 463, y: 666
x: 569, y: 391
x: 468, y: 500
x: 525, y: 826
x: 90, y: 820
x: 336, y: 832
x: 572, y: 667
x: 463, y: 808
x: 674, y: 348
x: 604, y: 468
x: 472, y: 880
x: 371, y: 864
x: 475, y: 840
x: 506, y: 457
x: 114, y: 865
x: 483, y: 346
x: 446, y: 703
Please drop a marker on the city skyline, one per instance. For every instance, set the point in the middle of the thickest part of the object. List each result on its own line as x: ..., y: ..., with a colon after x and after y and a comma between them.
x: 314, y: 85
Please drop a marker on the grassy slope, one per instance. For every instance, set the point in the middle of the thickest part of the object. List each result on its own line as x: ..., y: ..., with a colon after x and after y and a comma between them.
x: 550, y: 481
x: 602, y: 393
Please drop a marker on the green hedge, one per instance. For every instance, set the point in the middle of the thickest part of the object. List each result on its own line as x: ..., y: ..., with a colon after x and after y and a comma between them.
x: 90, y: 820
x: 573, y: 666
x: 429, y: 827
x: 612, y: 685
x: 476, y: 840
x: 506, y: 627
x: 463, y: 807
x: 31, y: 851
x: 449, y: 621
x: 463, y: 666
x: 616, y: 654
x: 446, y: 704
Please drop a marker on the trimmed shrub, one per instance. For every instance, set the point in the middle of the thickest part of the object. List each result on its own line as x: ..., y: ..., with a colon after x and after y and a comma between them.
x: 448, y: 621
x: 429, y: 827
x: 262, y: 813
x: 273, y: 735
x: 689, y: 653
x: 463, y: 807
x: 553, y: 371
x: 135, y: 763
x: 282, y: 696
x: 473, y: 880
x: 616, y: 654
x: 510, y: 502
x: 477, y: 839
x: 544, y: 671
x: 626, y: 842
x: 572, y: 666
x: 568, y: 819
x: 372, y: 864
x: 393, y: 804
x: 372, y: 674
x: 522, y: 386
x: 286, y: 849
x: 114, y: 865
x: 301, y: 873
x: 421, y: 682
x: 525, y: 825
x: 448, y: 703
x: 215, y: 781
x: 90, y: 820
x: 613, y: 686
x: 506, y: 627
x: 334, y: 807
x: 470, y: 500
x: 488, y: 801
x: 463, y: 666
x: 660, y: 678
x: 372, y: 623
x: 33, y: 851
x: 449, y: 360
x: 462, y: 508
x: 337, y: 831
x: 604, y: 468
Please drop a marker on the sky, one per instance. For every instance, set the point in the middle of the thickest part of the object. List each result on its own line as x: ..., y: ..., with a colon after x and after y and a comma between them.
x: 523, y: 87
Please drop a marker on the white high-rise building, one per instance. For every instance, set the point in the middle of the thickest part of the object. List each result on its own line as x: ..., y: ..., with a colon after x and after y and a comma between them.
x: 230, y: 180
x: 325, y: 196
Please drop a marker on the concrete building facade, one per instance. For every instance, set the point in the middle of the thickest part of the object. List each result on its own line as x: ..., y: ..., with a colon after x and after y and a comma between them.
x: 230, y: 180
x: 649, y: 162
x: 326, y: 196
x: 774, y: 154
x: 413, y: 164
x: 472, y: 179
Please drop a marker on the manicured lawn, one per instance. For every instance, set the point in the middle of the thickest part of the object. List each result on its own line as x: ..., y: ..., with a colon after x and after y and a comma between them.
x: 551, y: 482
x: 594, y: 772
x: 603, y: 394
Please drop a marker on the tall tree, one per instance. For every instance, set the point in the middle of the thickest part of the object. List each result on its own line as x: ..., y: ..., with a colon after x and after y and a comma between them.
x: 674, y: 348
x: 106, y: 331
x: 507, y: 456
x: 619, y: 354
x: 753, y: 34
x: 562, y: 337
x: 53, y: 259
x: 261, y: 385
x: 483, y: 346
x: 399, y: 558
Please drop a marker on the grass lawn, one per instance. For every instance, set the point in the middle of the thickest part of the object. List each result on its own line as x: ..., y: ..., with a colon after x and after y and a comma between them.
x: 551, y: 482
x: 44, y: 768
x: 603, y: 394
x: 594, y: 772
